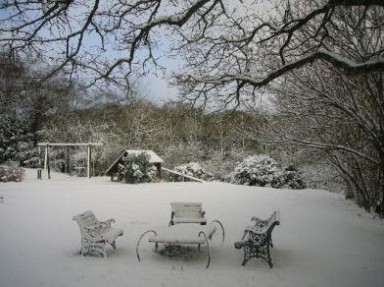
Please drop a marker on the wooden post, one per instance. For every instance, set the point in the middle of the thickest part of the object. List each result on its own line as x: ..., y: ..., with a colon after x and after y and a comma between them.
x: 46, y: 158
x: 67, y: 160
x: 158, y: 167
x: 39, y: 162
x: 39, y: 165
x: 48, y: 163
x: 89, y: 162
x: 68, y: 145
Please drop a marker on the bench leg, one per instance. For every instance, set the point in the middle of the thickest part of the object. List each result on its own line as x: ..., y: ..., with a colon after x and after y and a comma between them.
x: 93, y: 247
x: 252, y: 251
x: 201, y: 233
x: 138, y: 242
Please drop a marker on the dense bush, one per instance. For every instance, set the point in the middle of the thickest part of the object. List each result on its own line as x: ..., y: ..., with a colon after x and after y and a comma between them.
x: 221, y: 165
x: 192, y: 169
x: 293, y: 178
x: 137, y: 169
x: 261, y: 170
x: 9, y: 173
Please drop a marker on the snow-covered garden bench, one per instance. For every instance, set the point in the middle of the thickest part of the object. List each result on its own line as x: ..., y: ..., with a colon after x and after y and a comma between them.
x: 183, y: 234
x: 96, y: 234
x: 187, y: 212
x: 257, y: 239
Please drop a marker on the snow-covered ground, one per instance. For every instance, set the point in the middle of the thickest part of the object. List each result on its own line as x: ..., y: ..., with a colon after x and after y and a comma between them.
x: 323, y: 240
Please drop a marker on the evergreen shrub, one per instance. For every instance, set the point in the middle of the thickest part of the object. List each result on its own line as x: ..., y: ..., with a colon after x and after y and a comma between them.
x: 193, y: 169
x: 262, y: 170
x: 10, y: 173
x: 137, y: 169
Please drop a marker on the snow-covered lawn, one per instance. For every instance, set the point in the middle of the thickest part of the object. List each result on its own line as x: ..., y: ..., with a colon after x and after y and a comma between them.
x: 323, y: 240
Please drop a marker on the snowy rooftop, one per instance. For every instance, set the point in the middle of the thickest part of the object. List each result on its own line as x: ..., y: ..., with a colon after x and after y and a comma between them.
x: 153, y: 158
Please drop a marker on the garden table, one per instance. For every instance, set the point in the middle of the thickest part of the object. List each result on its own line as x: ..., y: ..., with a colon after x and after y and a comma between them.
x: 183, y: 234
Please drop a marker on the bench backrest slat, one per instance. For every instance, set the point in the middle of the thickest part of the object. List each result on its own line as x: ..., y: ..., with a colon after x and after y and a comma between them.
x: 266, y: 226
x: 87, y: 219
x: 274, y: 218
x: 187, y: 209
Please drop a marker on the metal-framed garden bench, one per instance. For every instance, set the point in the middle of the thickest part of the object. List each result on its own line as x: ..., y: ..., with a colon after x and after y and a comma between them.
x: 187, y: 212
x: 183, y: 234
x: 95, y: 234
x: 257, y: 239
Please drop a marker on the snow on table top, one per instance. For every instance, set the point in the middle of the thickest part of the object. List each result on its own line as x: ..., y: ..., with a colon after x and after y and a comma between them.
x: 182, y: 234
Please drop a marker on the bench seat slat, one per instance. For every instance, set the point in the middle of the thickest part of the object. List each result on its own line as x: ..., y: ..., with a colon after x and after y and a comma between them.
x: 182, y: 234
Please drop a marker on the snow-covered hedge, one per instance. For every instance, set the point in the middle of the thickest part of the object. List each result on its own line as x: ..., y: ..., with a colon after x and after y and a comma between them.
x: 137, y: 169
x: 261, y: 170
x: 192, y: 169
x: 9, y: 173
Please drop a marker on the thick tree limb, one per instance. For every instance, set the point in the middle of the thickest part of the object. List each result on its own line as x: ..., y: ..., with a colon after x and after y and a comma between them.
x: 216, y: 40
x: 348, y: 66
x: 349, y: 3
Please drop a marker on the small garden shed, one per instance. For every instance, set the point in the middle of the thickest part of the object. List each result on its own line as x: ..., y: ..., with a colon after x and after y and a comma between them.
x: 153, y: 159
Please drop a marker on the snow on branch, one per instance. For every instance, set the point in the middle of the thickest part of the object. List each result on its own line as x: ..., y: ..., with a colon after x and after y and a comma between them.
x: 124, y: 28
x: 324, y: 146
x: 144, y: 29
x: 355, y: 2
x: 349, y: 67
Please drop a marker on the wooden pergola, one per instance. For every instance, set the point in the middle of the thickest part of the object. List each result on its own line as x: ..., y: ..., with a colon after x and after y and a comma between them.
x: 68, y: 145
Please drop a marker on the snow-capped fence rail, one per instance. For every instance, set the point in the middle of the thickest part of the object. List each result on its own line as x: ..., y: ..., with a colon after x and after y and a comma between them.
x: 182, y: 174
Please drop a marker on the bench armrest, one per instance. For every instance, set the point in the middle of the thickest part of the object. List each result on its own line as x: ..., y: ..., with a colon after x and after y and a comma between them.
x: 259, y: 222
x: 108, y: 222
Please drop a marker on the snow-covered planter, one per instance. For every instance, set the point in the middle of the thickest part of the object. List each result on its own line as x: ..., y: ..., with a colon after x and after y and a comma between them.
x: 137, y: 169
x: 261, y: 170
x: 193, y: 169
x: 9, y: 173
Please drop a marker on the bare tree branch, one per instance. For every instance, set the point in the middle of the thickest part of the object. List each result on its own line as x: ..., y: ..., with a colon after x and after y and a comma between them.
x: 110, y: 40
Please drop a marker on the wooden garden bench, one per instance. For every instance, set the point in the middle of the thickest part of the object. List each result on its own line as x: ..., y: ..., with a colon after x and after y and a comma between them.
x: 187, y: 212
x: 257, y: 239
x: 96, y: 234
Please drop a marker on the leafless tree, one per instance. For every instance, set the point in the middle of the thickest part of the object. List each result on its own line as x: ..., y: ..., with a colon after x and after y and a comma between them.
x: 342, y: 119
x: 341, y: 114
x: 229, y: 49
x: 142, y: 126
